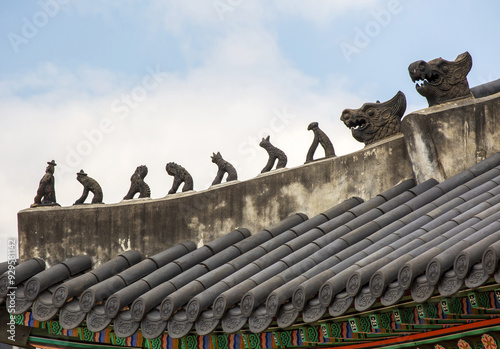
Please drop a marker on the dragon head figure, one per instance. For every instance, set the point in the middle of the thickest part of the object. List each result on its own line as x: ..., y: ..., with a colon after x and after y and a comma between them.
x: 375, y: 121
x: 442, y: 80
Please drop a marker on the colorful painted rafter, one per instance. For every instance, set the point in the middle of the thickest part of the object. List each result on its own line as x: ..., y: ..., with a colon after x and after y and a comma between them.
x: 477, y: 311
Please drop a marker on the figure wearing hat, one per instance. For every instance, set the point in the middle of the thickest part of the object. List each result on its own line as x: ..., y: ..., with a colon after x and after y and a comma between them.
x: 89, y: 184
x: 46, y: 194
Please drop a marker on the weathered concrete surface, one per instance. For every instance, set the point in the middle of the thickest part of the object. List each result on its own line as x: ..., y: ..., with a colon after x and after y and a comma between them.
x: 446, y: 139
x: 152, y: 225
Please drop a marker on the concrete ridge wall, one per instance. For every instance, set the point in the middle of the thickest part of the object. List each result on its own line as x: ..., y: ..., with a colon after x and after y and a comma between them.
x: 446, y: 139
x: 152, y: 225
x: 436, y: 142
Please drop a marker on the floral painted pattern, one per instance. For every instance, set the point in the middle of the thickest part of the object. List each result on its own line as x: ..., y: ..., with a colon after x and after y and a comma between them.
x: 463, y: 344
x: 437, y: 346
x: 488, y: 342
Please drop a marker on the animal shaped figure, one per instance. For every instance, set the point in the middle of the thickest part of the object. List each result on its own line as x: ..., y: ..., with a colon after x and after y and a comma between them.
x: 180, y: 175
x: 319, y: 138
x: 442, y: 80
x: 46, y: 194
x: 376, y: 121
x: 224, y: 167
x: 89, y: 185
x: 137, y: 184
x: 274, y: 153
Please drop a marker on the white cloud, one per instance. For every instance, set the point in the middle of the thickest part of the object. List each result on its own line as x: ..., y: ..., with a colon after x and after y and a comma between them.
x: 181, y: 14
x: 322, y: 12
x: 224, y: 15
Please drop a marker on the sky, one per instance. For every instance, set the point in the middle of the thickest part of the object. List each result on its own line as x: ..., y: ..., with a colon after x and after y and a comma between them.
x: 108, y: 86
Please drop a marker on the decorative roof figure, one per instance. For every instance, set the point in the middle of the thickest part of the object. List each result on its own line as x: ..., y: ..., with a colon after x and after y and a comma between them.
x: 224, y: 167
x: 443, y: 80
x: 375, y: 121
x: 274, y: 153
x: 89, y: 185
x: 180, y: 175
x: 319, y: 138
x: 46, y: 194
x: 137, y: 184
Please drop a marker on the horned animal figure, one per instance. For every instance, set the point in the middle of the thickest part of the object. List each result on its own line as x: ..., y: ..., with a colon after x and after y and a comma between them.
x: 224, y: 167
x: 46, y: 194
x: 442, y: 80
x: 180, y: 175
x: 376, y: 121
x: 319, y: 138
x: 137, y: 184
x: 89, y: 185
x: 274, y: 153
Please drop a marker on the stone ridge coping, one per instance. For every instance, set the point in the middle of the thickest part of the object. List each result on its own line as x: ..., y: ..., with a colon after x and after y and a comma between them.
x: 181, y: 195
x: 383, y: 141
x: 454, y: 104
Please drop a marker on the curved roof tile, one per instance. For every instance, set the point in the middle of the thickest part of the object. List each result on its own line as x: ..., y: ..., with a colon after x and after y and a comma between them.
x: 410, y: 241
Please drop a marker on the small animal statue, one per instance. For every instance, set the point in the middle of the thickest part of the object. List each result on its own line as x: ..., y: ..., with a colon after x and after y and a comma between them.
x: 274, y: 153
x: 89, y: 185
x: 319, y: 138
x: 46, y: 194
x: 137, y: 184
x: 376, y: 121
x: 180, y: 175
x: 224, y: 167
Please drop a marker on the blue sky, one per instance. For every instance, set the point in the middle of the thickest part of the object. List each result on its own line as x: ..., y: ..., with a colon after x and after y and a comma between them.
x: 107, y: 86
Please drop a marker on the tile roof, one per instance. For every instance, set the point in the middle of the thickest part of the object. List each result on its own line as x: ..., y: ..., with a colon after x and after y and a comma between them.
x: 410, y: 241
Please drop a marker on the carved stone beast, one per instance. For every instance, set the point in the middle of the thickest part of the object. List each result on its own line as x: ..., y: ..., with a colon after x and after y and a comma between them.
x: 180, y: 175
x: 46, y: 194
x: 274, y: 154
x: 442, y: 80
x: 89, y: 185
x: 320, y: 137
x: 376, y: 121
x: 224, y: 167
x: 137, y: 184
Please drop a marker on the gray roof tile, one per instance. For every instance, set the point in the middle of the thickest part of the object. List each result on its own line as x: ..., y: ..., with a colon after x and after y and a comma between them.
x: 433, y: 237
x: 23, y: 272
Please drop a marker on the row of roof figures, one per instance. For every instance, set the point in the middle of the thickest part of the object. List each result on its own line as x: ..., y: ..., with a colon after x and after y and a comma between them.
x: 46, y: 190
x: 438, y: 80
